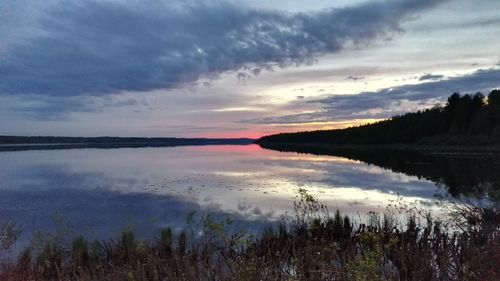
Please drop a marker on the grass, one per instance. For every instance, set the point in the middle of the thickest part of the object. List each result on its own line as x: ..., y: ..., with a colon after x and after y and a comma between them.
x: 311, y: 244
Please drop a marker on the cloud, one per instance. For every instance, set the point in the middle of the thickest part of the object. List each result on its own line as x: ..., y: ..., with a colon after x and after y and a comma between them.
x: 388, y: 102
x: 355, y: 78
x: 50, y: 108
x: 429, y: 76
x: 77, y: 48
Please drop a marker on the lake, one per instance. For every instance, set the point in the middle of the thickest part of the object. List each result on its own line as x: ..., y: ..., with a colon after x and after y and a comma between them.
x: 98, y: 192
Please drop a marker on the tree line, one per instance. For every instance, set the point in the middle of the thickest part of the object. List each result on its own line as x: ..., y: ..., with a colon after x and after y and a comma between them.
x: 464, y: 119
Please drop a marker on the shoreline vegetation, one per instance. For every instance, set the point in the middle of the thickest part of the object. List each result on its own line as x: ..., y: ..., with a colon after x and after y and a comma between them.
x: 309, y: 244
x: 466, y: 122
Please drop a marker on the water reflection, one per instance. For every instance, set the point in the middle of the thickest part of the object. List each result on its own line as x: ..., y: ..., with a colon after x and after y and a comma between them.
x: 99, y: 191
x: 472, y: 175
x: 103, y: 214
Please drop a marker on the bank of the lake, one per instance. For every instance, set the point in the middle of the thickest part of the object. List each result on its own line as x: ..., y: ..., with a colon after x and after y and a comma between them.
x: 309, y: 244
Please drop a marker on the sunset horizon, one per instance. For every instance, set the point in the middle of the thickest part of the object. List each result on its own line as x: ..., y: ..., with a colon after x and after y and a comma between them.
x: 246, y: 69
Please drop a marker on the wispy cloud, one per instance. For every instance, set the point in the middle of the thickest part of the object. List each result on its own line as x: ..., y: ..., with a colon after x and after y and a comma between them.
x: 355, y: 78
x: 430, y: 76
x: 387, y: 102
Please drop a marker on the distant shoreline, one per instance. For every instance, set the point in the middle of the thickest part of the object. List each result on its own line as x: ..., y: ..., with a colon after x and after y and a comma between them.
x: 6, y: 139
x: 16, y: 143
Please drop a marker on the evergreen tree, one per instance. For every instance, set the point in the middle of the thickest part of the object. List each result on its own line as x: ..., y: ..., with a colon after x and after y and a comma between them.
x: 466, y: 118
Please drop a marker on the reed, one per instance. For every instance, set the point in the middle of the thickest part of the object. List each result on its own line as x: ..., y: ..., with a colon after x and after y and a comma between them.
x: 311, y: 245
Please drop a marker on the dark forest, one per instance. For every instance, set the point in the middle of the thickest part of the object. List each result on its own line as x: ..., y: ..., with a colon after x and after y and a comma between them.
x: 470, y: 119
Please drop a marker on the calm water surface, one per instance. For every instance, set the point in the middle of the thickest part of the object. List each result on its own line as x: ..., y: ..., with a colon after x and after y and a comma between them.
x: 99, y: 191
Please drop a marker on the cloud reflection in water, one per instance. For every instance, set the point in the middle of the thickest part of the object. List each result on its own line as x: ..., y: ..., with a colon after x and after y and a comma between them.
x: 100, y: 190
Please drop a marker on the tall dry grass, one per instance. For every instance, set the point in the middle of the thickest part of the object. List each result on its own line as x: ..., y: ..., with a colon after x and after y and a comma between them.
x: 311, y: 245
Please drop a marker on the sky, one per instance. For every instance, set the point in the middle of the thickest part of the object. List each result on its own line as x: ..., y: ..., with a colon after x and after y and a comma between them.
x: 241, y: 68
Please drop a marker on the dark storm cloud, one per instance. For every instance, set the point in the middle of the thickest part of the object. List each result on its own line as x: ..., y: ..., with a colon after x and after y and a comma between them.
x: 390, y: 101
x: 104, y: 47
